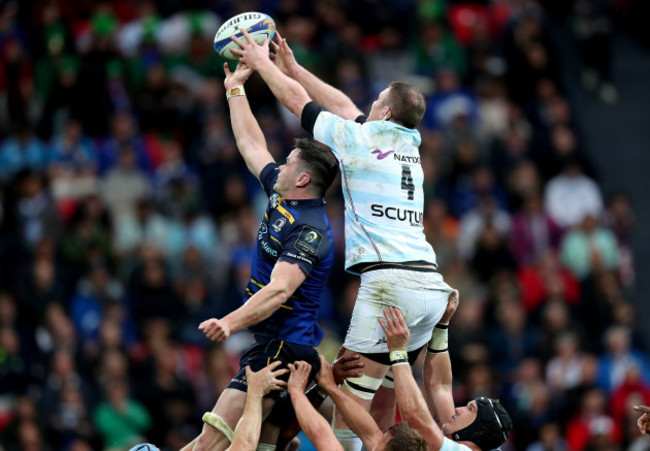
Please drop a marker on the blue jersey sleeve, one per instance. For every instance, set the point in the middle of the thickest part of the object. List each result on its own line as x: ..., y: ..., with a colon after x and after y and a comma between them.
x: 306, y: 246
x: 268, y: 176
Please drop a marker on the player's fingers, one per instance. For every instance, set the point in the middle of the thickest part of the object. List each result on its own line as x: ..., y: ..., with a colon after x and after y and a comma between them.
x: 265, y: 43
x: 277, y: 37
x: 274, y: 364
x: 226, y: 69
x: 389, y: 318
x: 237, y: 40
x: 643, y: 409
x: 281, y: 372
x: 352, y: 365
x: 238, y: 52
x: 249, y: 41
x: 383, y: 325
x: 350, y: 358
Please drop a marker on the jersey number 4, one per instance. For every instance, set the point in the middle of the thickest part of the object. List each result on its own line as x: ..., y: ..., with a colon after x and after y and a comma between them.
x: 407, y: 181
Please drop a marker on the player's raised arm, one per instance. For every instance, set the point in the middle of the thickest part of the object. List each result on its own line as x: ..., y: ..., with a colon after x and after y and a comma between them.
x: 287, y: 90
x: 312, y: 423
x: 356, y: 416
x: 322, y: 93
x: 409, y: 398
x: 438, y: 377
x: 248, y: 134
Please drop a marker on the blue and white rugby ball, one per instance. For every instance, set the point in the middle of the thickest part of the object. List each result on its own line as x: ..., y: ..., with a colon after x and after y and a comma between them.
x: 145, y: 447
x: 259, y: 26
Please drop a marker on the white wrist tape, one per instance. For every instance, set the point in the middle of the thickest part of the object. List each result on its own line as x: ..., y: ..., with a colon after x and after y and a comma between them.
x: 235, y: 91
x: 439, y: 339
x: 218, y: 423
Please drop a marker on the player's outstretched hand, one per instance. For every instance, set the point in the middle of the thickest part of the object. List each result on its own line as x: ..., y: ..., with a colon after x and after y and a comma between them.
x: 215, y: 329
x: 325, y: 378
x: 452, y: 305
x: 266, y: 379
x: 283, y: 55
x: 239, y: 77
x: 250, y: 53
x: 644, y: 420
x: 299, y: 376
x: 348, y: 365
x: 395, y: 328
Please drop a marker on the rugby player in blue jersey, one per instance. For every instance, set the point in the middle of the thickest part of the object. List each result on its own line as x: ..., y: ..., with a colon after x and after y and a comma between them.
x: 382, y: 178
x: 293, y: 256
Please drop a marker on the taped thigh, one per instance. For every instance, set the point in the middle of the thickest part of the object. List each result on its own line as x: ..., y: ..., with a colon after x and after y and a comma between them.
x: 364, y: 387
x: 218, y: 423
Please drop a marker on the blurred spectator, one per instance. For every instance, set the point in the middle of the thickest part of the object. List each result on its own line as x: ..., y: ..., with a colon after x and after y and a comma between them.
x: 486, y: 214
x: 37, y: 215
x: 550, y: 439
x: 619, y: 358
x: 570, y: 196
x: 21, y: 151
x: 124, y: 185
x: 592, y: 425
x: 533, y: 233
x: 589, y: 249
x: 121, y: 420
x: 72, y: 163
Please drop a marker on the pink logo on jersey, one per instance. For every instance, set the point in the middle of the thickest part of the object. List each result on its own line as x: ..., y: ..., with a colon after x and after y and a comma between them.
x: 381, y: 155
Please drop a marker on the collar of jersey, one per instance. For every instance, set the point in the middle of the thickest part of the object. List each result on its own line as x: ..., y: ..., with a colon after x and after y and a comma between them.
x: 314, y: 202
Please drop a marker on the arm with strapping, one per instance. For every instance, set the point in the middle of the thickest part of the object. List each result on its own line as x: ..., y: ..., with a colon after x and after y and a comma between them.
x: 411, y: 403
x: 334, y: 100
x: 248, y: 134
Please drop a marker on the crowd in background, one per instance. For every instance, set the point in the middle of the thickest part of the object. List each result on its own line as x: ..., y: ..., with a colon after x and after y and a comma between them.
x: 127, y: 216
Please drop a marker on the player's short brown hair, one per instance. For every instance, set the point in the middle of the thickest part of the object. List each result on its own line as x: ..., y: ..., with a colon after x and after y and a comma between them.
x: 318, y: 161
x: 404, y: 437
x: 406, y: 104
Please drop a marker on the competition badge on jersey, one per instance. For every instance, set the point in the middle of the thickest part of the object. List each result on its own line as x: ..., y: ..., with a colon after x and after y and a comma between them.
x: 274, y: 200
x: 309, y: 240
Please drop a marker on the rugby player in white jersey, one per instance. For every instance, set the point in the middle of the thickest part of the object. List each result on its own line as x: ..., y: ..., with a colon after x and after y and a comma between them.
x: 382, y: 187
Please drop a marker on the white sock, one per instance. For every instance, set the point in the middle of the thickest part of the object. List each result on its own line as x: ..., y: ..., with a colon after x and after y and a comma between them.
x: 348, y: 440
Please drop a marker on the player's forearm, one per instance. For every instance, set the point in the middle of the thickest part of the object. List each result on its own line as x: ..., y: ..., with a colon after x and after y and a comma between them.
x: 312, y: 423
x: 287, y: 90
x: 258, y: 307
x: 356, y: 417
x: 333, y: 99
x: 248, y: 134
x: 438, y: 379
x: 247, y: 432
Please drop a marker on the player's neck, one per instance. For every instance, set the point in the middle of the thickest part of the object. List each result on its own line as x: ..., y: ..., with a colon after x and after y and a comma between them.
x: 299, y: 194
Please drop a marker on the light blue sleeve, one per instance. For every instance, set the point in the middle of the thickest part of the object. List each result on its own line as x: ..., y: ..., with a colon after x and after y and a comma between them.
x: 342, y: 136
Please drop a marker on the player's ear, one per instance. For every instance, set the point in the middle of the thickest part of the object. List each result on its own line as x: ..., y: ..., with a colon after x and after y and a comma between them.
x: 303, y: 180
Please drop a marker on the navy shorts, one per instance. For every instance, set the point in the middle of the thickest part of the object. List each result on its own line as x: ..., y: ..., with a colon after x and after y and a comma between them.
x: 267, y: 350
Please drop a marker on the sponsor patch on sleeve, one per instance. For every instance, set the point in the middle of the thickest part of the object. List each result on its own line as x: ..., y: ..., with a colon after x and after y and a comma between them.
x: 309, y: 240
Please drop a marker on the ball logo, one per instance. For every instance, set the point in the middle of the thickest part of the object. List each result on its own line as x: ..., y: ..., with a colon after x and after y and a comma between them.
x: 311, y: 237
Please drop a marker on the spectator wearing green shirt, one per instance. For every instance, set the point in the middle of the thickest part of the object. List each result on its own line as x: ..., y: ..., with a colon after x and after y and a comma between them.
x: 121, y: 420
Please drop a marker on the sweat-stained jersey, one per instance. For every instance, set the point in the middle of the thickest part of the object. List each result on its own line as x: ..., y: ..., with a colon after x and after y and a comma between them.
x: 381, y: 177
x: 295, y: 231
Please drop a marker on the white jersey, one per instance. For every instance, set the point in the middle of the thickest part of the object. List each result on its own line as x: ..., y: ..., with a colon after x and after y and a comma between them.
x: 381, y: 177
x: 450, y: 445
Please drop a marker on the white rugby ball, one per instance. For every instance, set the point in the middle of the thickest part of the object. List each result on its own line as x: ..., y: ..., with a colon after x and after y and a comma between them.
x: 259, y: 26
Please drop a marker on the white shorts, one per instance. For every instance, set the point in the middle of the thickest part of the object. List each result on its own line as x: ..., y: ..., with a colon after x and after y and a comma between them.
x: 421, y: 297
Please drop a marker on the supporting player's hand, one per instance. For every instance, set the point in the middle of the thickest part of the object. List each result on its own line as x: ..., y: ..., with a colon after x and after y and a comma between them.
x: 299, y: 376
x: 452, y: 305
x: 325, y: 377
x: 395, y: 328
x: 266, y: 379
x: 250, y: 53
x: 283, y: 55
x: 348, y: 365
x: 215, y: 329
x: 239, y: 77
x: 644, y: 420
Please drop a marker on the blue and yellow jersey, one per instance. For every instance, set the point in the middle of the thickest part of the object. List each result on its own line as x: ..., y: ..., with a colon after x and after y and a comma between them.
x: 295, y: 231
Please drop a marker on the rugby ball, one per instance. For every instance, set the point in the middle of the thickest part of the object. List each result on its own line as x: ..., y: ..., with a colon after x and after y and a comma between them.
x: 258, y: 25
x: 145, y: 447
